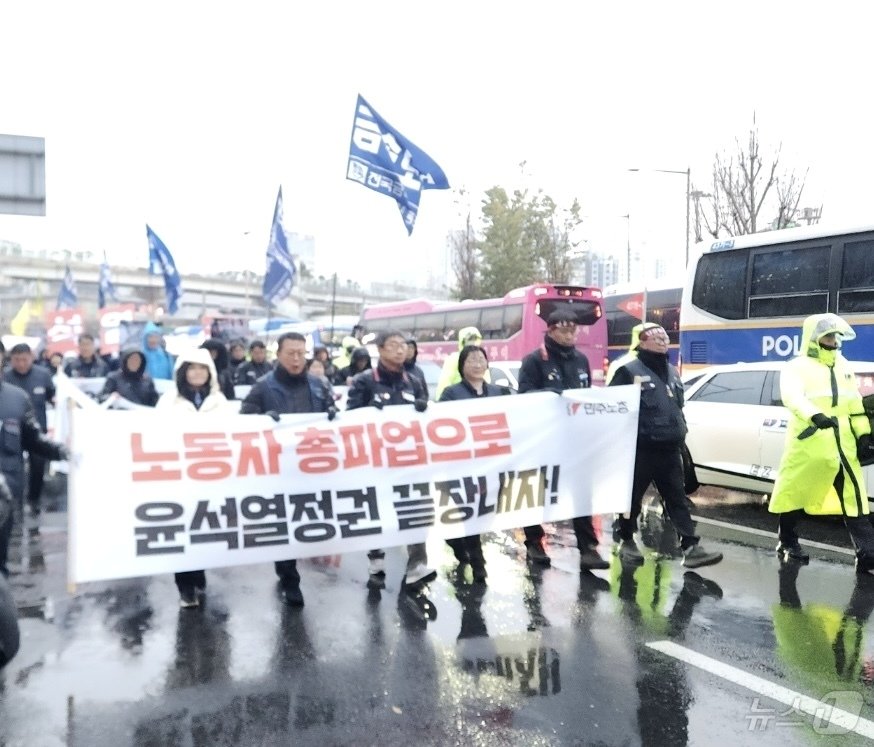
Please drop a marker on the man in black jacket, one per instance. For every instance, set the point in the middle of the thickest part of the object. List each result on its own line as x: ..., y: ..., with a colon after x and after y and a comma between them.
x: 252, y: 370
x: 389, y: 384
x: 19, y: 432
x: 555, y: 366
x: 38, y: 383
x: 87, y: 365
x: 661, y: 430
x: 288, y: 388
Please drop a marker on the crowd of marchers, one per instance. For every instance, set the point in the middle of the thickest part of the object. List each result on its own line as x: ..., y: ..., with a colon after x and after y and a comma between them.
x: 828, y: 436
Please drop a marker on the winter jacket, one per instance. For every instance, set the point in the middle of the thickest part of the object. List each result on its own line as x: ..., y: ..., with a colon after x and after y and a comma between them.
x: 134, y: 386
x: 282, y: 392
x: 79, y: 368
x: 221, y: 360
x: 39, y: 386
x: 660, y: 423
x: 463, y: 390
x: 19, y: 432
x: 379, y: 386
x: 412, y: 368
x: 359, y: 356
x: 9, y: 633
x: 159, y: 363
x: 182, y: 398
x: 819, y: 381
x: 249, y: 372
x: 554, y: 367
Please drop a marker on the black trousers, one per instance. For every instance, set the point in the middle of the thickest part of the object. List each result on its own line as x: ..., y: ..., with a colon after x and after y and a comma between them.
x: 287, y: 572
x: 664, y: 467
x: 190, y: 580
x: 859, y: 527
x: 36, y: 478
x: 583, y: 528
x: 468, y: 549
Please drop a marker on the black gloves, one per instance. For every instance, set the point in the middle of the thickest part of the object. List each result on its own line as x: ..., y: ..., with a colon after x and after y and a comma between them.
x: 332, y: 412
x: 823, y: 422
x: 63, y: 454
x: 273, y: 414
x: 377, y: 402
x: 421, y: 405
x: 864, y: 452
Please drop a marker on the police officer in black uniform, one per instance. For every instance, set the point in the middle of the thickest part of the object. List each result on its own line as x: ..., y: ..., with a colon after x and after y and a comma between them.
x: 19, y: 432
x: 555, y: 366
x: 37, y: 382
x: 661, y: 430
x: 288, y: 388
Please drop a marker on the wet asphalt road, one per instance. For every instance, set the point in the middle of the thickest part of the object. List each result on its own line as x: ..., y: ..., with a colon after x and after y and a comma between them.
x: 550, y: 657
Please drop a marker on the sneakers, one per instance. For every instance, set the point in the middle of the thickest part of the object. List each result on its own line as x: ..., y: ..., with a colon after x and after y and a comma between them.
x: 536, y: 553
x: 419, y: 574
x: 188, y: 598
x: 291, y: 594
x: 590, y: 560
x: 629, y: 552
x: 792, y: 553
x: 697, y: 557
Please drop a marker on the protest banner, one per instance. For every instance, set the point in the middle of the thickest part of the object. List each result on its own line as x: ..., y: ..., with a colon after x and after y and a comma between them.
x: 155, y: 492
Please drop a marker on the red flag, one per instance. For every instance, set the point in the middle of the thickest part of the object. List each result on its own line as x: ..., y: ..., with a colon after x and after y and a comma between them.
x: 633, y: 306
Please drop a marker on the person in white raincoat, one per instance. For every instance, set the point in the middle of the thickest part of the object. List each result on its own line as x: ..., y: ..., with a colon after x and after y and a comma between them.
x: 828, y: 431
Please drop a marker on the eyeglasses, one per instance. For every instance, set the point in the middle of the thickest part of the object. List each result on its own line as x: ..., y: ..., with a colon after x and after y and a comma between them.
x: 395, y: 346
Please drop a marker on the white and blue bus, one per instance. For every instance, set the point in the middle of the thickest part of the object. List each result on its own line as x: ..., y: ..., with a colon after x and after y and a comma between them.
x: 746, y: 298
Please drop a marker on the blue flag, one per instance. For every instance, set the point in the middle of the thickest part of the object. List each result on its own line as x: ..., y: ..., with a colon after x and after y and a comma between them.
x: 105, y: 288
x: 161, y: 261
x: 384, y: 160
x: 67, y: 296
x: 280, y: 272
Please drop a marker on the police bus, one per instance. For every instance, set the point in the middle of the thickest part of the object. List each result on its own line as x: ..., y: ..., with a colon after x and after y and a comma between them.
x: 745, y: 298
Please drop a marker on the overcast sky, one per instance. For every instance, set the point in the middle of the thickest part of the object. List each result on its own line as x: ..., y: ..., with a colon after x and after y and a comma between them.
x: 189, y: 115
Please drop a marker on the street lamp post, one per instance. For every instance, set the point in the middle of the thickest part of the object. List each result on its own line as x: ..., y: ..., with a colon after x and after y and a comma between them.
x: 688, y: 174
x: 627, y: 217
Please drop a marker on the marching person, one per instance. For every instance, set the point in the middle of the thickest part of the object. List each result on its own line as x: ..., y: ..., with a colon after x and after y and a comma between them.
x: 196, y: 390
x: 86, y: 365
x: 20, y: 432
x: 472, y: 365
x: 661, y: 432
x: 555, y: 366
x: 410, y: 365
x: 449, y: 374
x: 320, y: 353
x: 288, y: 388
x: 130, y: 381
x: 389, y: 384
x: 38, y: 383
x: 237, y: 357
x: 359, y: 361
x: 159, y: 363
x: 220, y: 358
x: 256, y: 367
x: 827, y: 434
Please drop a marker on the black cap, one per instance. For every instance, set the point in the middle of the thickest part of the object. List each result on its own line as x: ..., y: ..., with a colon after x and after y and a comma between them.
x: 562, y: 318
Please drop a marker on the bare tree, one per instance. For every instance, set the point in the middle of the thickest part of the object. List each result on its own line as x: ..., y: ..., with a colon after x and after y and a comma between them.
x: 466, y: 261
x: 742, y: 185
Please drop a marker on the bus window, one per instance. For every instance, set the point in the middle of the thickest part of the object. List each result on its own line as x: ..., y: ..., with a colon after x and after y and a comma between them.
x: 784, y: 282
x: 587, y: 312
x: 856, y: 293
x: 491, y: 323
x: 512, y: 319
x: 457, y: 320
x: 429, y: 327
x: 720, y: 284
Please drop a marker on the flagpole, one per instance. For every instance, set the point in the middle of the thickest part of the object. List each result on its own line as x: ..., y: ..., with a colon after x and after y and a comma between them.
x: 333, y: 305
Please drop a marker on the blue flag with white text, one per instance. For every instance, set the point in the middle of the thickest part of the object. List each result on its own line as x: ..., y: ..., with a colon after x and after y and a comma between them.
x: 383, y: 160
x: 67, y: 296
x: 105, y: 288
x: 161, y: 261
x: 280, y: 272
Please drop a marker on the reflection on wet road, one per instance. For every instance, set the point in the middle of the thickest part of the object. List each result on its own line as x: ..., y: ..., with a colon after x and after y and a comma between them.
x: 741, y: 652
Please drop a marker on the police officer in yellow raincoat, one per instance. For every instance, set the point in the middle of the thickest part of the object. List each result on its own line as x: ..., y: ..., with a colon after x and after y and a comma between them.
x: 820, y: 471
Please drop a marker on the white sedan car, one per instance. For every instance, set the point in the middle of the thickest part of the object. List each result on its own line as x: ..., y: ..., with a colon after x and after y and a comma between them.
x: 737, y: 423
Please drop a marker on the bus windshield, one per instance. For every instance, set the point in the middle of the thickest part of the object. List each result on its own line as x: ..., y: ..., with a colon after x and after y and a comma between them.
x: 746, y: 298
x: 625, y: 306
x: 512, y: 326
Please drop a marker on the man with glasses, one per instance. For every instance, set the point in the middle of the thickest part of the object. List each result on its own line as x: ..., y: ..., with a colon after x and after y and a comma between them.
x: 555, y: 366
x: 661, y: 431
x: 389, y: 384
x: 288, y: 388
